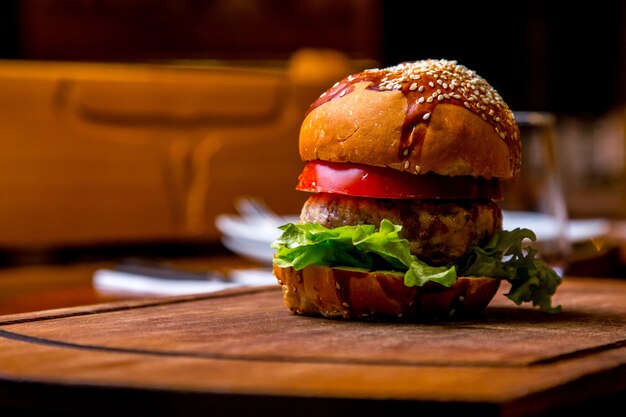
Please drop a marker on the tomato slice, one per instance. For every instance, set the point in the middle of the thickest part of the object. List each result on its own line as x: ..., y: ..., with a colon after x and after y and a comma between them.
x: 379, y: 182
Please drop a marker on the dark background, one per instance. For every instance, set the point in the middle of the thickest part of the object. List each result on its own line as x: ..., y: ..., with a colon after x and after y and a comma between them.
x: 565, y: 57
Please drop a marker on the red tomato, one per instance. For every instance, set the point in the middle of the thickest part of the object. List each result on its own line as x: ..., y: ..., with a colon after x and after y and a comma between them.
x: 378, y: 182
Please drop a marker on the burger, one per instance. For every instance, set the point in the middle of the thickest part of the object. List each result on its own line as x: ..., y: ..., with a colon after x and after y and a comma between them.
x: 404, y: 168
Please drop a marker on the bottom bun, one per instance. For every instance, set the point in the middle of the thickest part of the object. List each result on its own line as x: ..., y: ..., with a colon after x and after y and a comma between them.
x: 349, y: 294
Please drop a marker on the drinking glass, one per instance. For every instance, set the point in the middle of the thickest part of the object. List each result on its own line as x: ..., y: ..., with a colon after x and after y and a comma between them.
x: 536, y: 200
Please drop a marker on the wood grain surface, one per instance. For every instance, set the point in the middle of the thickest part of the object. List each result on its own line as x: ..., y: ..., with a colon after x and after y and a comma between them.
x: 242, y: 352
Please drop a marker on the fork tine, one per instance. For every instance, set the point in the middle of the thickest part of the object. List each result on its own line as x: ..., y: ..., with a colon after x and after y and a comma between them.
x: 257, y: 208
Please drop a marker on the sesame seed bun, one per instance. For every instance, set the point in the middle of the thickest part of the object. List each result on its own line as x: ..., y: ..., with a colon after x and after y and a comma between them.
x: 426, y: 116
x: 349, y: 294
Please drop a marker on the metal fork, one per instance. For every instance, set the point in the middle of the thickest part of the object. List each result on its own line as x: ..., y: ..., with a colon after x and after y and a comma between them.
x: 256, y: 210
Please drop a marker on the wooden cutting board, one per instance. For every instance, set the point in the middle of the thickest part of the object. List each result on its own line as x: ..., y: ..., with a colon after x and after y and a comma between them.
x: 243, y: 353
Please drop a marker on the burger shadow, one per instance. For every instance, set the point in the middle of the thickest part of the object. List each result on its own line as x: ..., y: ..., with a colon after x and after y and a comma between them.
x: 516, y: 315
x: 508, y: 316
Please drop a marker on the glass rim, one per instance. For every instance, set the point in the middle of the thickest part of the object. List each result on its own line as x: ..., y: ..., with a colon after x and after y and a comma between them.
x: 534, y: 118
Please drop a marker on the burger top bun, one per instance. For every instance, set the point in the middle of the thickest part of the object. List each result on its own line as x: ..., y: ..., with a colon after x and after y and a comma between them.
x: 426, y: 116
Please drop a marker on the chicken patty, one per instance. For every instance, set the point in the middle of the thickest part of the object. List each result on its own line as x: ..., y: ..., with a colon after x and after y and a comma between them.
x: 438, y: 231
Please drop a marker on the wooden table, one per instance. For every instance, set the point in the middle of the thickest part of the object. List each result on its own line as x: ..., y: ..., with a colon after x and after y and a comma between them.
x: 241, y: 353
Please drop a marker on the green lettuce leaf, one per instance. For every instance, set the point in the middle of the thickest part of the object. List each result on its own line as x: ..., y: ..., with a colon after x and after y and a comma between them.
x: 506, y: 256
x: 362, y: 246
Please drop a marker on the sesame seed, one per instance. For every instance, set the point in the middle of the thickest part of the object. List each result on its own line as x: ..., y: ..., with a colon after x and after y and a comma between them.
x: 406, y: 152
x: 343, y: 93
x: 456, y: 81
x: 417, y: 169
x: 406, y: 164
x: 426, y: 116
x: 346, y: 305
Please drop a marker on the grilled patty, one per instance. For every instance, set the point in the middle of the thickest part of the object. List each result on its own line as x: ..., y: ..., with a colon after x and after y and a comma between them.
x: 439, y: 231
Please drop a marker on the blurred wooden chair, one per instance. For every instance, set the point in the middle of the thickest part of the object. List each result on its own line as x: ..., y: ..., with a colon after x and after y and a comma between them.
x: 105, y: 153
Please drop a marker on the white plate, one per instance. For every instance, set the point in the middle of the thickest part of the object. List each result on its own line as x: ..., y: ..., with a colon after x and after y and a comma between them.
x: 251, y: 229
x: 545, y: 227
x: 256, y: 250
x: 111, y: 281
